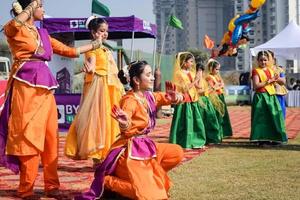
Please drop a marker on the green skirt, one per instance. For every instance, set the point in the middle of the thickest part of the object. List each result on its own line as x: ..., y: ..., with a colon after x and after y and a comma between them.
x: 212, y: 123
x: 227, y: 130
x: 267, y: 122
x: 187, y: 127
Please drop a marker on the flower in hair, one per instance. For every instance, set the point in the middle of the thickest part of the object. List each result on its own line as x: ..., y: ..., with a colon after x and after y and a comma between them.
x: 89, y: 20
x: 17, y: 7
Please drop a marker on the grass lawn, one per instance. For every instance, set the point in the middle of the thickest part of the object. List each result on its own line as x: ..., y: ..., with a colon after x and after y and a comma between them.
x: 240, y: 170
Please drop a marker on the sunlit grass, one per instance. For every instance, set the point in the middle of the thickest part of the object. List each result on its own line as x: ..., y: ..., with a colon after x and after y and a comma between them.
x: 240, y: 170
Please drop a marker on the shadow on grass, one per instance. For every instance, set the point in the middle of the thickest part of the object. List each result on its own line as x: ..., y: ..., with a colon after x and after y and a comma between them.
x: 254, y: 145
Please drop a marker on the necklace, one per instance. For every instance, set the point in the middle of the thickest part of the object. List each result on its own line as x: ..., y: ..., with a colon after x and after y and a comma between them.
x: 142, y: 101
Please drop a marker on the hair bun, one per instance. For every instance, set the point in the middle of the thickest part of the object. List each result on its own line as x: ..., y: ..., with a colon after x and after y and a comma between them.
x: 87, y: 22
x: 17, y: 7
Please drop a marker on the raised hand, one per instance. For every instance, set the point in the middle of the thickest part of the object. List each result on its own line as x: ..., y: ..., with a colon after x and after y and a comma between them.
x: 170, y: 91
x: 119, y: 115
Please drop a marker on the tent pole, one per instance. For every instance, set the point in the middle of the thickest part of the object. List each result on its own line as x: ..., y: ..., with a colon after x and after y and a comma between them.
x: 132, y: 45
x: 154, y: 54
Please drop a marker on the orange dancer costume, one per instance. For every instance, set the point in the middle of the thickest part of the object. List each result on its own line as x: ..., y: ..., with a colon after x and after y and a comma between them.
x: 29, y: 120
x: 136, y: 167
x: 94, y: 130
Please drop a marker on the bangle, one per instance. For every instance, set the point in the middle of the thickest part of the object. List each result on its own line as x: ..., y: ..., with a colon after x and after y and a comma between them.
x: 77, y: 51
x: 124, y: 126
x: 96, y: 44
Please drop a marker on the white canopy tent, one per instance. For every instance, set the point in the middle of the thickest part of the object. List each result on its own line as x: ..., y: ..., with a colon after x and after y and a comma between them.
x: 285, y: 44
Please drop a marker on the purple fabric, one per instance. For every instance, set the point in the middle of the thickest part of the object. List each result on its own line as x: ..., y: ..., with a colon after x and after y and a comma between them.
x: 152, y: 109
x: 118, y: 26
x: 37, y: 73
x: 142, y: 148
x: 8, y: 161
x: 107, y: 167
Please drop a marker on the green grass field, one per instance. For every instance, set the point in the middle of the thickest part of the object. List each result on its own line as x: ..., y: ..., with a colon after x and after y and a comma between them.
x: 238, y: 170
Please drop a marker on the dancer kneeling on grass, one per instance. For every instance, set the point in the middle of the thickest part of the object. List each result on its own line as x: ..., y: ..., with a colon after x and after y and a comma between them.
x: 136, y: 167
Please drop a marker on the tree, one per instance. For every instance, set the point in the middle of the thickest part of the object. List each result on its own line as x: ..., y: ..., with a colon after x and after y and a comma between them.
x: 201, y: 56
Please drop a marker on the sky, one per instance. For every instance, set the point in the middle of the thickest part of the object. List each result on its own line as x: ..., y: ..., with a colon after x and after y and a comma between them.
x: 82, y: 8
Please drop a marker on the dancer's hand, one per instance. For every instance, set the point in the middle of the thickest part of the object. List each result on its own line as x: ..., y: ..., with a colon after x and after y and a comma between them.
x: 88, y: 67
x: 170, y: 91
x: 120, y: 115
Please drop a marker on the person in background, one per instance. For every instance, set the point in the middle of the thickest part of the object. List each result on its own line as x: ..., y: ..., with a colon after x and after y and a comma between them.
x: 213, y: 129
x: 297, y: 85
x: 93, y: 130
x: 136, y: 167
x: 216, y: 86
x: 28, y: 128
x: 279, y: 84
x: 267, y: 121
x: 292, y: 83
x: 187, y: 127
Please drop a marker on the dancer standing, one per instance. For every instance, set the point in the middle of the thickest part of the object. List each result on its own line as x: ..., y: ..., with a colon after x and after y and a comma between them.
x: 280, y: 88
x: 187, y: 127
x: 216, y: 83
x: 28, y: 128
x: 267, y: 122
x: 213, y: 129
x: 136, y: 167
x: 93, y: 130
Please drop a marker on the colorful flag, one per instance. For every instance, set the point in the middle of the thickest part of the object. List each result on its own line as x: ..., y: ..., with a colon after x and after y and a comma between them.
x: 175, y: 22
x: 100, y: 9
x: 208, y: 43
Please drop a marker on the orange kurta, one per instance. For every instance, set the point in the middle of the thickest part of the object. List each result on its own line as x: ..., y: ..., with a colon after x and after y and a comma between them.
x: 32, y: 126
x: 142, y: 179
x: 213, y: 80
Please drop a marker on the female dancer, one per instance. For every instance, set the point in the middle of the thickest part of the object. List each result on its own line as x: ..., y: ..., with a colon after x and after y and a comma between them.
x: 28, y: 127
x: 187, y: 127
x: 93, y: 131
x: 213, y: 129
x: 280, y: 88
x: 267, y: 122
x: 217, y: 85
x: 136, y: 167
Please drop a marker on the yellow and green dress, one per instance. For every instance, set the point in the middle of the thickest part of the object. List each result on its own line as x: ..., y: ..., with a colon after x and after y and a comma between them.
x: 211, y: 121
x: 226, y: 125
x: 267, y: 122
x: 93, y: 130
x: 187, y: 127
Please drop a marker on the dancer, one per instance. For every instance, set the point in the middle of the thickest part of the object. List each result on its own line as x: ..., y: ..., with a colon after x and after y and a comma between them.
x: 280, y: 88
x: 136, y: 167
x: 267, y: 122
x: 93, y: 130
x: 187, y: 127
x: 213, y: 129
x: 216, y: 83
x: 28, y: 127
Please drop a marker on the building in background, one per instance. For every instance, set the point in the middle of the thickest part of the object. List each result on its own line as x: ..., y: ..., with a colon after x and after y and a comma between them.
x: 211, y: 17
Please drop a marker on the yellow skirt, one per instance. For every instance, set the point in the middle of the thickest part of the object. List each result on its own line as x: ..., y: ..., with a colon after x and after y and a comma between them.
x: 93, y: 130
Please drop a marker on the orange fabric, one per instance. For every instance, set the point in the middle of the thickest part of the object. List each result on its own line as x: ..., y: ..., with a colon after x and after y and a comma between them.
x: 208, y: 43
x: 213, y: 80
x: 137, y: 112
x: 168, y: 156
x: 32, y: 111
x: 127, y: 179
x: 29, y: 164
x: 23, y: 45
x: 101, y: 66
x: 268, y: 74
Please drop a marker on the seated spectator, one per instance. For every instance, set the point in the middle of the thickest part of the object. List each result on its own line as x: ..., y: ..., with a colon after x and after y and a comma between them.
x: 297, y: 86
x: 291, y: 83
